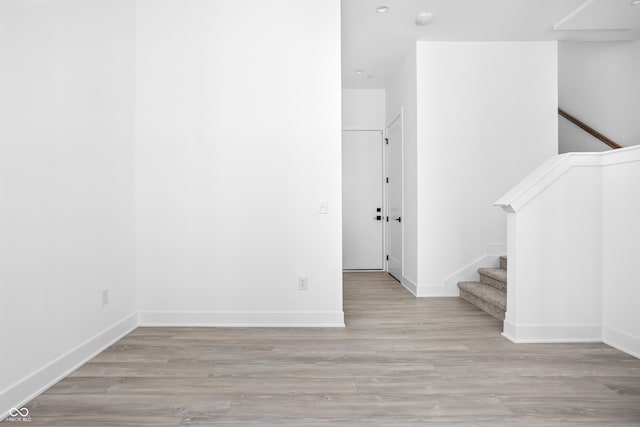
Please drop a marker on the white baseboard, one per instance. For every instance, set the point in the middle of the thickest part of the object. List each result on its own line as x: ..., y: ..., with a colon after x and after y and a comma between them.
x: 410, y: 286
x: 469, y: 273
x: 421, y: 291
x: 623, y: 341
x: 430, y: 291
x: 558, y: 333
x: 246, y: 319
x: 22, y: 392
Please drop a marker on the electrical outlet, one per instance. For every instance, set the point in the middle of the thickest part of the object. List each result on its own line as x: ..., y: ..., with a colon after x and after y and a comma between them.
x: 302, y: 284
x: 105, y: 296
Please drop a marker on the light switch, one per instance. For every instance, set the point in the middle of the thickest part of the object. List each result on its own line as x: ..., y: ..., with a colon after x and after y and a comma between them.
x: 324, y: 207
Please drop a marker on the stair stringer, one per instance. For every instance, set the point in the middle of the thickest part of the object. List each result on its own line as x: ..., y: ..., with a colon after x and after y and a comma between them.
x: 469, y: 273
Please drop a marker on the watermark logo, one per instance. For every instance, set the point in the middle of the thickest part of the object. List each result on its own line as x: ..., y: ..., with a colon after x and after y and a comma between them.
x: 18, y: 416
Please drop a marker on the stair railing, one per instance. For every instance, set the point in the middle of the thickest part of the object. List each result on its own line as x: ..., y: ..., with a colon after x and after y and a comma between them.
x: 591, y: 131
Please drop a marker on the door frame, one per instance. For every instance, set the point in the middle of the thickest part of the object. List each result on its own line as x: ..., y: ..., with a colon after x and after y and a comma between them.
x: 384, y: 191
x: 400, y: 117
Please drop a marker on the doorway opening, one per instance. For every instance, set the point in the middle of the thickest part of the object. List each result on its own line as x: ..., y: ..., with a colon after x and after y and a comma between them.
x: 372, y: 187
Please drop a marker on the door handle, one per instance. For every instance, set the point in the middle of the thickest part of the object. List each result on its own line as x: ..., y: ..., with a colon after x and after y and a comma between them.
x: 377, y: 218
x: 399, y: 219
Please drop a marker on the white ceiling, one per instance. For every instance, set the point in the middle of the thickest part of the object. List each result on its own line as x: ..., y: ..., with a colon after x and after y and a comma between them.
x: 377, y: 42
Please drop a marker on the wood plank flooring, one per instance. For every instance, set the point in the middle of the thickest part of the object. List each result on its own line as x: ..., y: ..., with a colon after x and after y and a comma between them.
x: 400, y: 361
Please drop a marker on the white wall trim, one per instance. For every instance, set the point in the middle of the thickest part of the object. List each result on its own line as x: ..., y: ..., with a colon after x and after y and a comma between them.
x: 411, y: 287
x: 449, y: 287
x: 253, y: 319
x: 470, y: 271
x: 622, y: 341
x: 431, y: 290
x: 551, y: 170
x: 15, y: 396
x: 422, y: 291
x: 553, y: 333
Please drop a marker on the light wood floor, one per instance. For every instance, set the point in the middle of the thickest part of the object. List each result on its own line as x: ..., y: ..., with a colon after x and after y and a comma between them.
x: 401, y: 361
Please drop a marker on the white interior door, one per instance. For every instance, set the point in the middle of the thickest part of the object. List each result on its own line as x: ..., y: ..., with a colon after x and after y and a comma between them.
x: 362, y: 187
x: 394, y: 199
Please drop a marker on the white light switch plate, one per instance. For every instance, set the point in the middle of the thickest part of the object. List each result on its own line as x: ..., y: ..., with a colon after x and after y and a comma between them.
x: 324, y: 207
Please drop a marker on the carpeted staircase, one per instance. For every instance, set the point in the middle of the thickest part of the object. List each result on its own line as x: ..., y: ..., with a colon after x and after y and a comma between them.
x: 490, y: 293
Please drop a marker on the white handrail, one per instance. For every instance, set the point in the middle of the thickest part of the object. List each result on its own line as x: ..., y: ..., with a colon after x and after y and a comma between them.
x: 534, y: 183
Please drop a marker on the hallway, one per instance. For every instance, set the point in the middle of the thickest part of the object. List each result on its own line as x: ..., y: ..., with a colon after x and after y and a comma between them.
x: 400, y: 361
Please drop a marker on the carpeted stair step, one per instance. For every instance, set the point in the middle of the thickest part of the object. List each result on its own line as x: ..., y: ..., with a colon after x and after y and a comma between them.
x: 503, y: 262
x: 485, y: 297
x: 496, y: 277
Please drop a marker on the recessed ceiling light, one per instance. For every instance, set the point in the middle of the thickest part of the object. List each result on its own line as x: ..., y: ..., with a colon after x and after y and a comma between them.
x: 635, y: 2
x: 382, y: 9
x: 424, y: 18
x: 358, y: 72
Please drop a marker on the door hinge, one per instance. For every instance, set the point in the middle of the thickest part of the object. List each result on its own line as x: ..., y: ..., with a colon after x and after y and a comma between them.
x: 387, y: 219
x: 387, y: 180
x: 387, y: 257
x: 386, y: 141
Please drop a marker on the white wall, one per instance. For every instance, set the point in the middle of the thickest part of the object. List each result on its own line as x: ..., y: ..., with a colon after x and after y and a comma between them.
x: 66, y: 186
x: 598, y: 84
x: 621, y: 252
x: 487, y: 115
x: 238, y: 139
x: 363, y: 109
x: 555, y: 267
x: 571, y: 139
x: 573, y: 251
x: 401, y: 95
